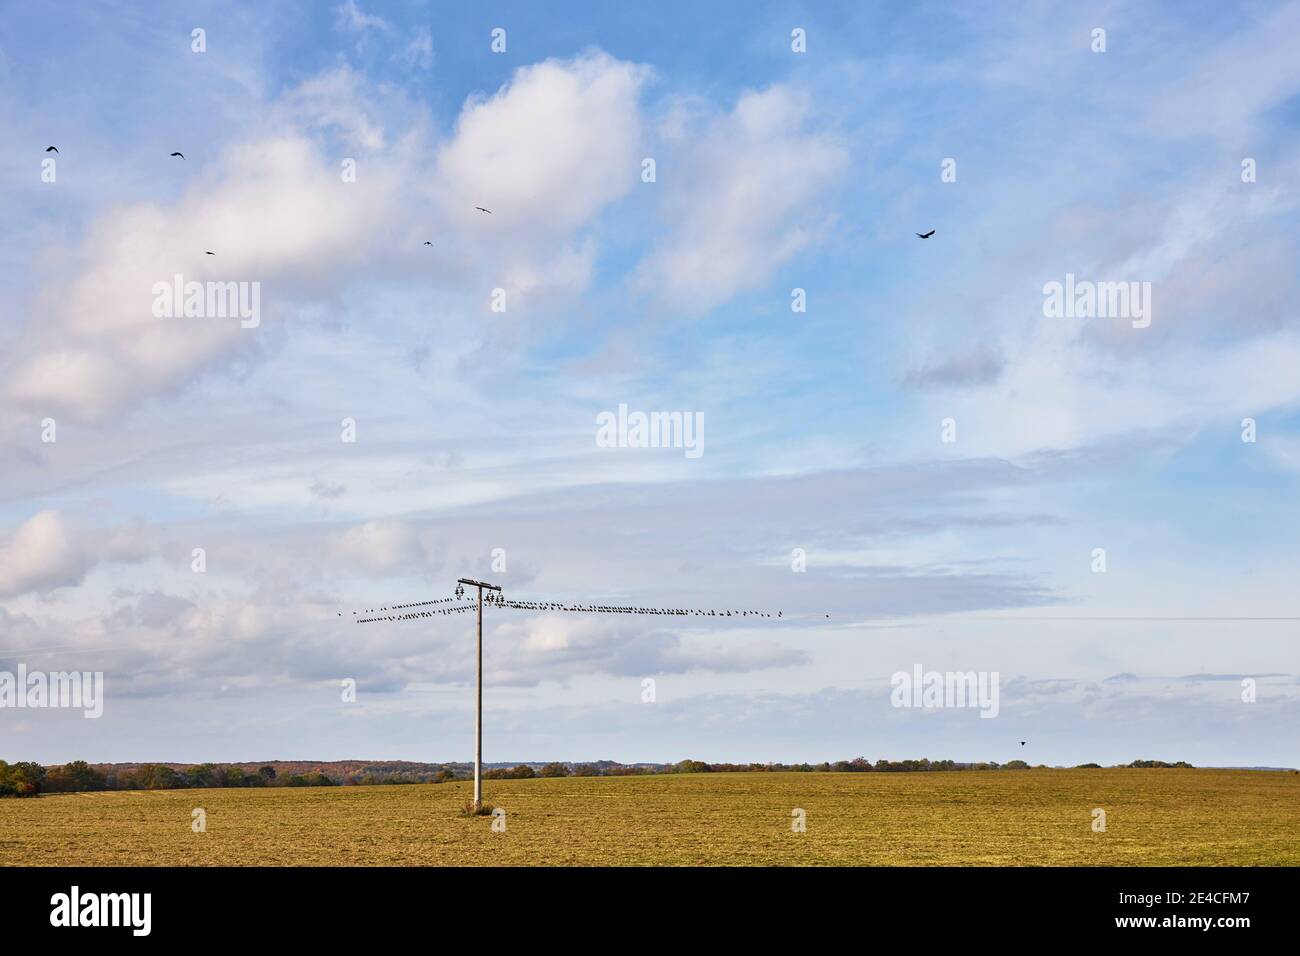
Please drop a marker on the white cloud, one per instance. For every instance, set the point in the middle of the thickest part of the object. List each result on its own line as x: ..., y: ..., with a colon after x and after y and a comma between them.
x: 336, y: 99
x: 381, y: 546
x: 40, y: 555
x: 1222, y: 334
x: 743, y: 198
x: 549, y: 150
x: 276, y: 211
x: 353, y: 19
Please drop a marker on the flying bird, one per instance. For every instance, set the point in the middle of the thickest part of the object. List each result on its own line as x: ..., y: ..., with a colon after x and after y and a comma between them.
x: 181, y: 155
x: 428, y: 243
x: 209, y: 253
x: 51, y: 149
x: 1022, y: 743
x: 926, y: 235
x: 481, y: 209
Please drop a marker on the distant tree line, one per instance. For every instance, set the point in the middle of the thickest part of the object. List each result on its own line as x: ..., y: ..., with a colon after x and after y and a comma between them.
x: 863, y: 765
x: 161, y: 777
x: 27, y: 779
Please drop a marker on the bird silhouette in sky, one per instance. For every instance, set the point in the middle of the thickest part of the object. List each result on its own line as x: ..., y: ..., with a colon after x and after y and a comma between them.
x: 481, y: 209
x: 51, y: 149
x: 428, y: 243
x: 181, y: 155
x: 209, y: 253
x: 925, y: 235
x: 1022, y: 743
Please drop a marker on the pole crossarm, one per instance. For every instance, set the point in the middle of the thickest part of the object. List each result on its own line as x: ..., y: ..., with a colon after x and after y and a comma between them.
x: 478, y: 584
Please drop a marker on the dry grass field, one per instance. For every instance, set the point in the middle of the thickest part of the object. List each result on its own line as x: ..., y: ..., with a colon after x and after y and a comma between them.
x: 1032, y: 817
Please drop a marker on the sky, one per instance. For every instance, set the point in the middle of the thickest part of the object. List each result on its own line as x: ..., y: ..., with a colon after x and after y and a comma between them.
x: 709, y: 209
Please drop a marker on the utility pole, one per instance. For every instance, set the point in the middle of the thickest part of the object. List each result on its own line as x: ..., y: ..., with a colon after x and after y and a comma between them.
x: 441, y: 606
x: 478, y: 709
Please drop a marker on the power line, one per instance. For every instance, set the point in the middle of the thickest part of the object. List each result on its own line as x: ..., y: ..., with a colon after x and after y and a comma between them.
x: 573, y: 607
x: 632, y: 609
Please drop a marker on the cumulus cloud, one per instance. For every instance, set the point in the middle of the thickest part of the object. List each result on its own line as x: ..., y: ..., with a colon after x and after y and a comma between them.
x: 547, y: 151
x: 99, y: 345
x: 744, y: 198
x: 40, y: 555
x: 47, y: 552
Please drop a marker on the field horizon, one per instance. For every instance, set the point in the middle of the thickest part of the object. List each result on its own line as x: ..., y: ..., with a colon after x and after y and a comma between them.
x: 1199, y: 817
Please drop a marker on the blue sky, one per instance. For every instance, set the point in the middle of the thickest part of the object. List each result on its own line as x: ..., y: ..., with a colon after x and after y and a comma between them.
x: 775, y: 171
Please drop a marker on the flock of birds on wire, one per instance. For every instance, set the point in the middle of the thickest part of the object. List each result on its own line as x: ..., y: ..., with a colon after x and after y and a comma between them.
x: 456, y: 605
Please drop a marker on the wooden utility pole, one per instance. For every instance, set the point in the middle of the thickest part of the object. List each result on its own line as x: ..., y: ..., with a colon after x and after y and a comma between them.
x: 478, y: 708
